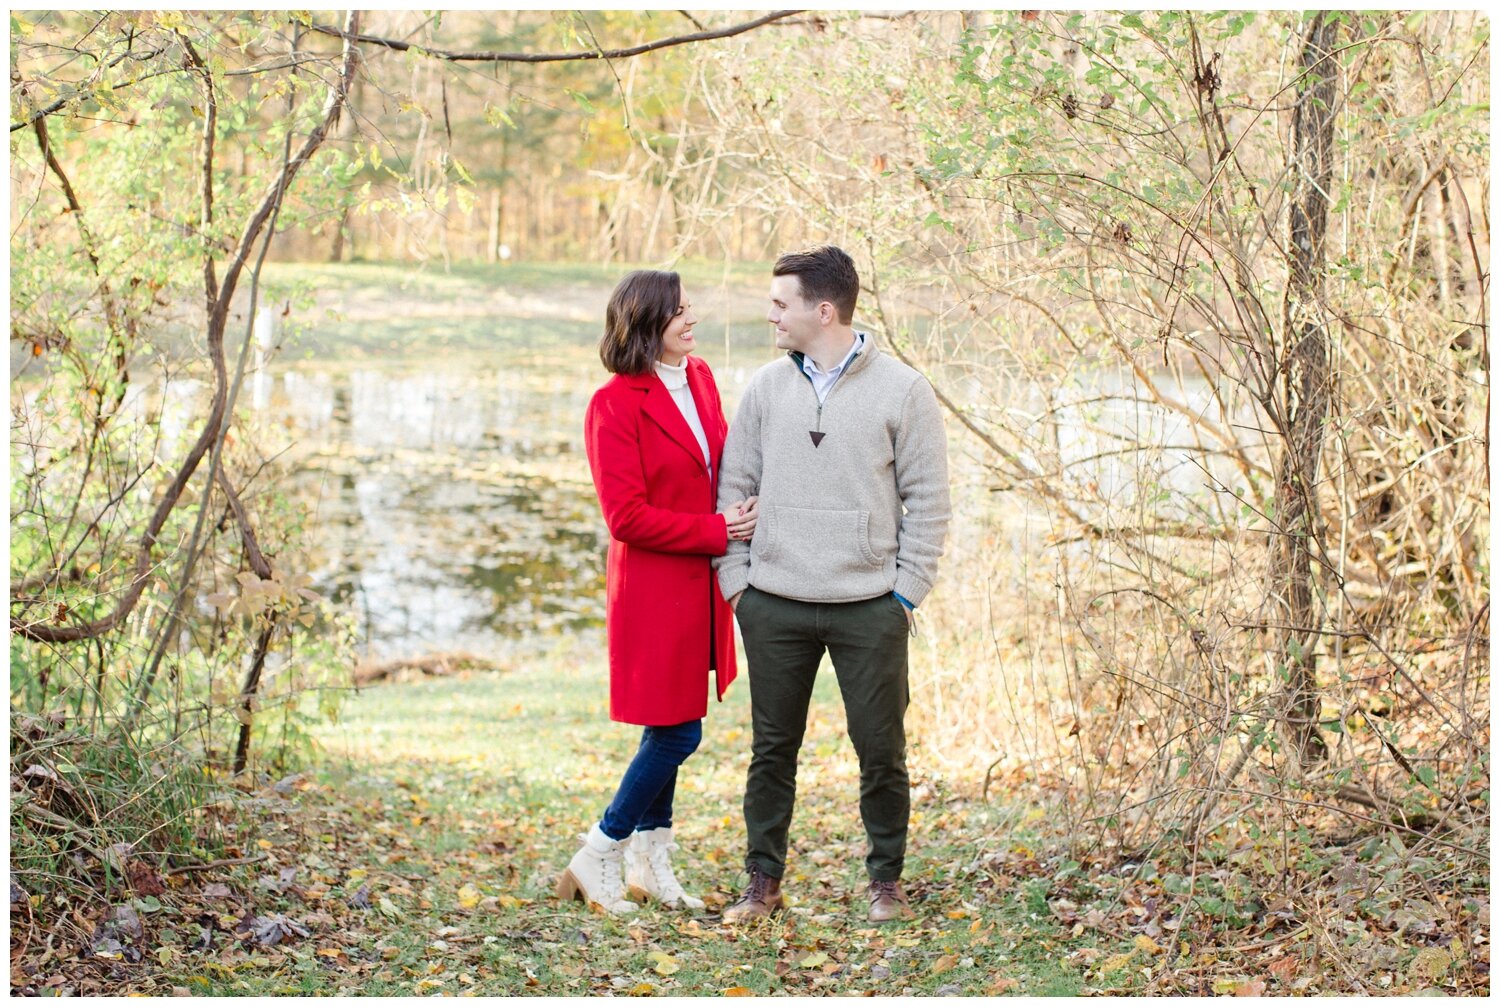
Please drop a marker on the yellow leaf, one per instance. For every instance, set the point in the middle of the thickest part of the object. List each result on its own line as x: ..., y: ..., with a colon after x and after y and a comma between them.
x: 1115, y: 963
x: 944, y: 964
x: 1146, y: 944
x: 264, y: 844
x: 665, y: 963
x: 738, y: 991
x: 958, y: 914
x: 330, y: 952
x: 469, y: 896
x: 642, y: 990
x: 813, y: 960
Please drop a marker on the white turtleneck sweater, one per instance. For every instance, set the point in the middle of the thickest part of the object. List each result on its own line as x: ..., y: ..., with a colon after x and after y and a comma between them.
x: 675, y: 378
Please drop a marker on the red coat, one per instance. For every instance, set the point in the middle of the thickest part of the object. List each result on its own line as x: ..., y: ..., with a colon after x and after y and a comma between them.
x: 667, y: 623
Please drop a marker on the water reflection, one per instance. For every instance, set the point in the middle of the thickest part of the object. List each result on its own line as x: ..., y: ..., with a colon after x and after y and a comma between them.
x: 454, y: 509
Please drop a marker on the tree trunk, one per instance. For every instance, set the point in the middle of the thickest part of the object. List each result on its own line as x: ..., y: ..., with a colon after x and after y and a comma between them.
x: 1303, y: 379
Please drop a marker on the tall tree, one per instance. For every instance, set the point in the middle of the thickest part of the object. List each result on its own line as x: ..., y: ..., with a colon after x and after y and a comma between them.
x: 1303, y: 385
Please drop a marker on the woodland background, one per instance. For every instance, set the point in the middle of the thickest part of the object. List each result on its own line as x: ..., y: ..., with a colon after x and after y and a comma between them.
x: 1204, y: 694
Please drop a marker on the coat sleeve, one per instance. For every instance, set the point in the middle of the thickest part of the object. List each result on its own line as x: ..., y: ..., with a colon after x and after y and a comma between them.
x: 739, y: 479
x: 612, y: 441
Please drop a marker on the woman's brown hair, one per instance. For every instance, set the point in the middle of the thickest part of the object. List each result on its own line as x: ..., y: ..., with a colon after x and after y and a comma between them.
x: 638, y: 312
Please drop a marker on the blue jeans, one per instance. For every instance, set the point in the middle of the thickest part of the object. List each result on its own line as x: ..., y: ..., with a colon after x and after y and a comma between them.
x: 644, y: 800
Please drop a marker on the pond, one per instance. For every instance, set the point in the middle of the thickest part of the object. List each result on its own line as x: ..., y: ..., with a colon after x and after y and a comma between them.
x: 433, y: 426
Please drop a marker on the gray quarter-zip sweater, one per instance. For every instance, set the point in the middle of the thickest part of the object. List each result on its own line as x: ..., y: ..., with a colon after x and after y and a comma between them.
x: 853, y: 492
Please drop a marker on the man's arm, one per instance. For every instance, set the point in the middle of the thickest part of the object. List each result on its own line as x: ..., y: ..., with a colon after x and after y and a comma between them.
x: 739, y: 479
x: 922, y: 484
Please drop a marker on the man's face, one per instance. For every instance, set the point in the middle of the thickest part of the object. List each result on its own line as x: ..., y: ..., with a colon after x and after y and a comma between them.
x: 797, y: 322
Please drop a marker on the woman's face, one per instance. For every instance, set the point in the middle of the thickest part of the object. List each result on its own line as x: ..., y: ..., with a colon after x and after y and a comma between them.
x: 677, y: 341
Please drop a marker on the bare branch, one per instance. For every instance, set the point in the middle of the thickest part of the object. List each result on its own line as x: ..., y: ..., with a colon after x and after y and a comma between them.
x: 557, y: 57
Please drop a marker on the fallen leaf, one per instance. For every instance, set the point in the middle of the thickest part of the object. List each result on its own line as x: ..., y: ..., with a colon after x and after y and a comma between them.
x: 665, y: 963
x: 738, y: 991
x: 1146, y: 944
x: 944, y: 964
x: 469, y: 896
x: 642, y: 990
x: 1429, y: 964
x: 388, y: 909
x: 273, y: 928
x: 1001, y: 984
x: 1253, y: 988
x: 813, y: 960
x: 1115, y: 963
x: 1283, y: 968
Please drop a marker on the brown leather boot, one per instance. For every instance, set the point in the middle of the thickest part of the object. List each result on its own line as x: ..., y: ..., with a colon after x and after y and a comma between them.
x: 888, y: 902
x: 762, y: 898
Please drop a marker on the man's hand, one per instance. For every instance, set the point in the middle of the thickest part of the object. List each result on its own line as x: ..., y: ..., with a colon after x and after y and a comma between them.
x: 911, y: 614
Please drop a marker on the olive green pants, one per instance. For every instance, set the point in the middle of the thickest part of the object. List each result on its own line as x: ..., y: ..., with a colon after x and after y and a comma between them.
x: 784, y: 643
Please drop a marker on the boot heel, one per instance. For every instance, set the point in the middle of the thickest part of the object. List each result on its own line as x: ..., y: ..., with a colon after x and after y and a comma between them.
x: 568, y: 888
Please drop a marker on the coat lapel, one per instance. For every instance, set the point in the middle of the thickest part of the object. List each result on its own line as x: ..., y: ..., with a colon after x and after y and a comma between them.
x: 660, y: 407
x: 704, y: 399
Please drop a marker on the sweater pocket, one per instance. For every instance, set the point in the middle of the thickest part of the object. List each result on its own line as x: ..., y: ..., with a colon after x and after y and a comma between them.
x: 814, y: 547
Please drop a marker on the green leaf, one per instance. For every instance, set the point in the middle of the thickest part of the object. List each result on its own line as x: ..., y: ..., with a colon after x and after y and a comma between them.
x: 583, y: 101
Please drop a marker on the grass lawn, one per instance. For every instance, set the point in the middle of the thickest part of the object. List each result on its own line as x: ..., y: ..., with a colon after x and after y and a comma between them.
x: 369, y: 311
x: 448, y: 806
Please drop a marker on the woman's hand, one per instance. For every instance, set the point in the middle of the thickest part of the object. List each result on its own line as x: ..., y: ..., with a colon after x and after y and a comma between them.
x: 741, y: 517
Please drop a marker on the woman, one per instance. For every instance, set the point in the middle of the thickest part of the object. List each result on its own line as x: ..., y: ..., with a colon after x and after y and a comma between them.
x: 654, y: 434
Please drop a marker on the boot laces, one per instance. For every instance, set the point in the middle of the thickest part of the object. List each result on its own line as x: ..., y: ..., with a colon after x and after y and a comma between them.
x: 759, y: 882
x: 611, y: 880
x: 661, y: 869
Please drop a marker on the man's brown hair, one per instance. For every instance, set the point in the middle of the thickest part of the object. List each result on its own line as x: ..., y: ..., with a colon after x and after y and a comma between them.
x: 825, y: 273
x: 638, y: 312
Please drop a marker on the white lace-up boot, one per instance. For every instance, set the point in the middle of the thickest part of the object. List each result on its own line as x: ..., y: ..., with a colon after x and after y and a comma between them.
x: 648, y: 871
x: 594, y: 873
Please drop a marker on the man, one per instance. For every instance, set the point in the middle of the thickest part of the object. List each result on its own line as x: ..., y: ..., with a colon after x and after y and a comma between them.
x: 844, y: 445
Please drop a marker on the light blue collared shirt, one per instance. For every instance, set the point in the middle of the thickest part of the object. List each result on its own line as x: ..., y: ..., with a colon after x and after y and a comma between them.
x: 823, y: 380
